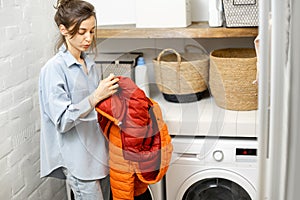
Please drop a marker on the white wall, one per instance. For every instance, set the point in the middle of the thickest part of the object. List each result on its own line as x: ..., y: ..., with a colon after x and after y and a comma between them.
x: 27, y: 35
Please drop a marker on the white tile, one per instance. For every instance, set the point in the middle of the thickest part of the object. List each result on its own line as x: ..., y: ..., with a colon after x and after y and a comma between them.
x: 124, y: 45
x: 176, y: 44
x: 229, y: 127
x: 246, y: 123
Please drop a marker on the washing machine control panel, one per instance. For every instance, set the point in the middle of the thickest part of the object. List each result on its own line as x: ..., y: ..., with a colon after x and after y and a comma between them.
x: 233, y: 155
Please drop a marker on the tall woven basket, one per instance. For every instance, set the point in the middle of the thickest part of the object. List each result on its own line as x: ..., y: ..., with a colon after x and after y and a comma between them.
x: 181, y: 77
x: 231, y: 76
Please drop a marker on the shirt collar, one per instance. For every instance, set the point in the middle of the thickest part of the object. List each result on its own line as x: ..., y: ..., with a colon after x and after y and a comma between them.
x: 70, y: 60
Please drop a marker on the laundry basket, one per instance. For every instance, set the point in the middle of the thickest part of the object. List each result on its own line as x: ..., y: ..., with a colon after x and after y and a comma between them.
x: 182, y: 77
x: 231, y: 76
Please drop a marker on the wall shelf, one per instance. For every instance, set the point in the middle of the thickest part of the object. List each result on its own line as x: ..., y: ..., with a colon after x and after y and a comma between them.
x: 196, y: 30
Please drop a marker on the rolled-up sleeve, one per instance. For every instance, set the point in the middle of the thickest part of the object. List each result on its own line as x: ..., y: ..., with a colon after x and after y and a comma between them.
x: 66, y: 115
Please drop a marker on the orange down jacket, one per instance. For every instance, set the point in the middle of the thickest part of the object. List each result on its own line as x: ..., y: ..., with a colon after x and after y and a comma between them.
x: 139, y: 143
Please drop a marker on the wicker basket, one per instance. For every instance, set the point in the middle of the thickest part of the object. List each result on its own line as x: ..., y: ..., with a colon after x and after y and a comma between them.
x: 231, y: 76
x: 181, y: 78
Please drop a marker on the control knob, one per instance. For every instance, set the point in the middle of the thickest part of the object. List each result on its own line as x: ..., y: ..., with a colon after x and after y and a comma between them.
x: 218, y: 155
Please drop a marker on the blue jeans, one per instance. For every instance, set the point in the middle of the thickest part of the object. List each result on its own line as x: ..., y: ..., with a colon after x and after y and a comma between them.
x: 88, y: 190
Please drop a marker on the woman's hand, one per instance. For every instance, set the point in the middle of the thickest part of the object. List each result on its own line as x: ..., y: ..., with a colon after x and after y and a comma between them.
x: 105, y: 89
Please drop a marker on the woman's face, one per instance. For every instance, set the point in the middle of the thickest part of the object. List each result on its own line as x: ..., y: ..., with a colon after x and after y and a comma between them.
x: 82, y: 40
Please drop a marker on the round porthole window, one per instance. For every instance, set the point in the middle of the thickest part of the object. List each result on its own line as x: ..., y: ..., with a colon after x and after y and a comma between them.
x: 216, y: 189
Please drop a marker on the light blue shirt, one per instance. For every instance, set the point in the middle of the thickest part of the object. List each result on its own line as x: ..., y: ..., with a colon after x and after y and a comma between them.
x: 67, y: 139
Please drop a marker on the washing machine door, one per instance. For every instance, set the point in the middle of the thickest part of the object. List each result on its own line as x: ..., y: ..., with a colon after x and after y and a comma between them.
x: 216, y: 185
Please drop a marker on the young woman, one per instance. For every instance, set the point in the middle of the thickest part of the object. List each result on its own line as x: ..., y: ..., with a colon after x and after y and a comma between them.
x: 72, y: 145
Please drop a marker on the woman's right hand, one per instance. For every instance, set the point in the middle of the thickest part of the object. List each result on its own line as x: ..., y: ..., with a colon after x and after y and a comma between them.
x: 105, y: 89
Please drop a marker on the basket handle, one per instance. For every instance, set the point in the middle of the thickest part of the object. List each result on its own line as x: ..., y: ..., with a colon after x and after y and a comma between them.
x: 177, y: 67
x: 243, y: 2
x: 202, y: 49
x: 170, y: 50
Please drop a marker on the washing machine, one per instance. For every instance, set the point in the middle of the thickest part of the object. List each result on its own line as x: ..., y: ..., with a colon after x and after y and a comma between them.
x: 157, y: 190
x: 205, y: 168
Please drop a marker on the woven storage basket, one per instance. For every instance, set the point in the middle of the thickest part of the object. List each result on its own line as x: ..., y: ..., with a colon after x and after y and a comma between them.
x: 241, y: 13
x: 231, y: 74
x: 181, y: 78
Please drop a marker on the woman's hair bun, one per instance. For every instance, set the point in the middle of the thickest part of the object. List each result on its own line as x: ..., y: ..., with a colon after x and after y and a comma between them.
x: 62, y: 3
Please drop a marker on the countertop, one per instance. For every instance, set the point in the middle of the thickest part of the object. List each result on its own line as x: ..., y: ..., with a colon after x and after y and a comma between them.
x: 205, y: 118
